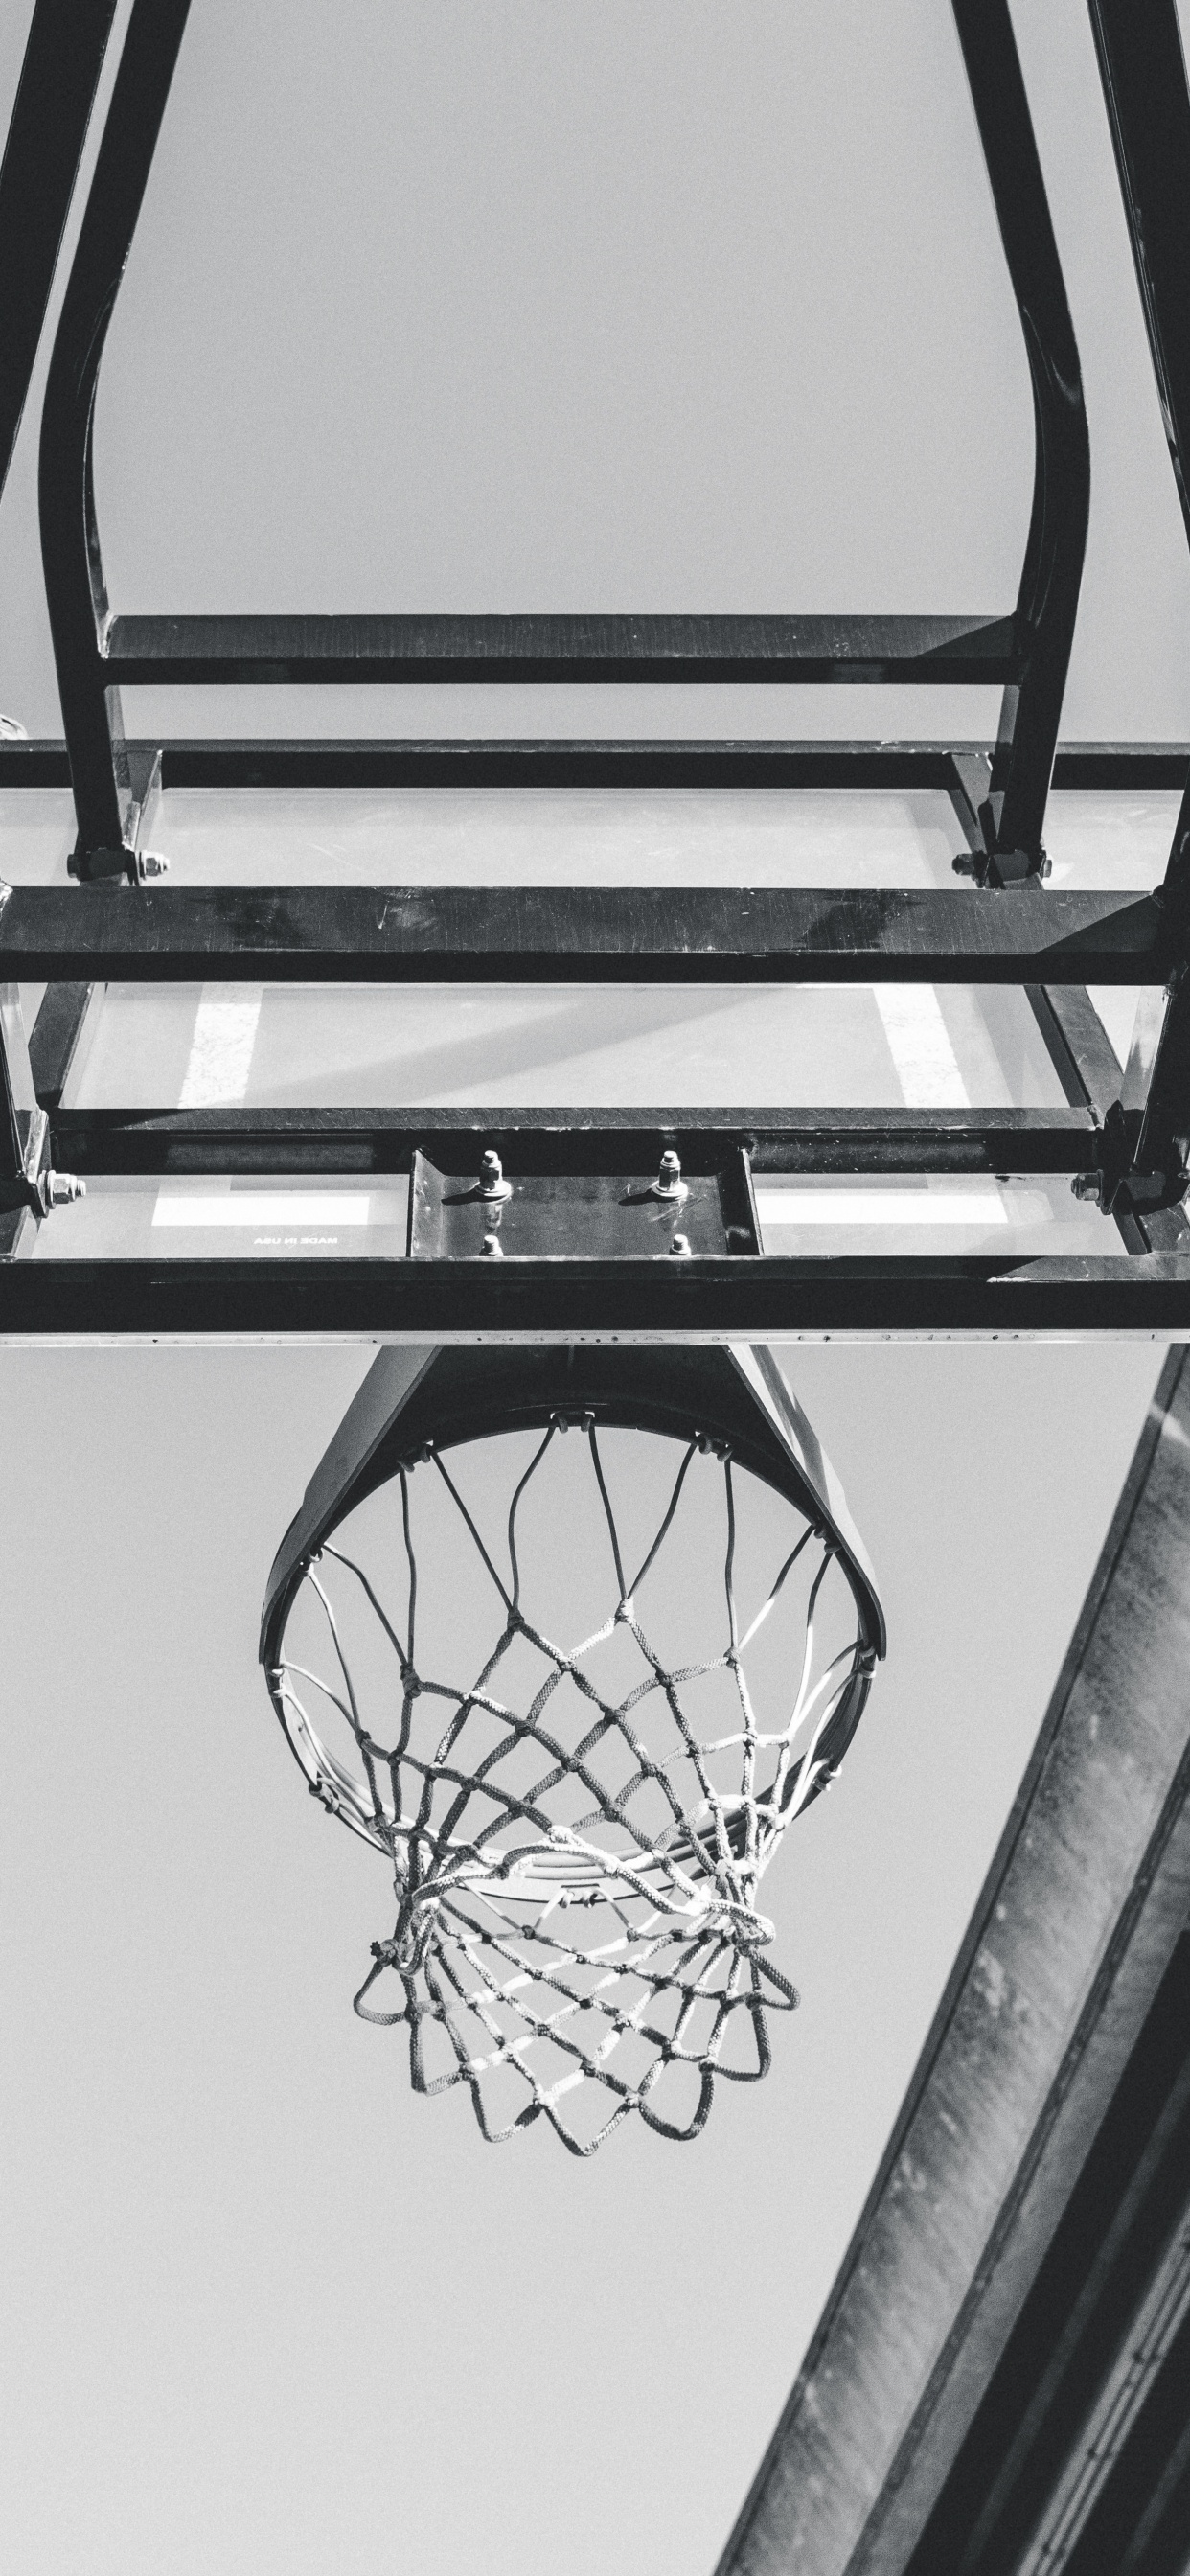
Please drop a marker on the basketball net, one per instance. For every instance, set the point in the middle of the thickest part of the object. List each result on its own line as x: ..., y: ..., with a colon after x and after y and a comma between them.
x: 577, y: 1935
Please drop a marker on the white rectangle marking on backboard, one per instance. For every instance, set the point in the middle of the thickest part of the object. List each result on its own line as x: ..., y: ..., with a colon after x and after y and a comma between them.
x: 919, y: 1043
x: 264, y: 1207
x: 220, y: 1059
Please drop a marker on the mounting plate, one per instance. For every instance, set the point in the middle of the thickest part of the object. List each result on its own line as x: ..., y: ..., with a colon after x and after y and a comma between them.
x: 594, y: 1216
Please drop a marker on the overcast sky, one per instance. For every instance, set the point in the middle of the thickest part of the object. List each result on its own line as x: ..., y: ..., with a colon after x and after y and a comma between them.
x: 493, y: 306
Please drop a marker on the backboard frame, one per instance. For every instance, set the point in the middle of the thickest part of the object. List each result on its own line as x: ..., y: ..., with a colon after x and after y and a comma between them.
x: 1124, y: 1140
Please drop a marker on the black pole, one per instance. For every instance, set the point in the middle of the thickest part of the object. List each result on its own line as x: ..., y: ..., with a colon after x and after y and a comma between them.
x: 75, y: 592
x: 1013, y: 815
x: 1143, y: 70
x: 59, y: 77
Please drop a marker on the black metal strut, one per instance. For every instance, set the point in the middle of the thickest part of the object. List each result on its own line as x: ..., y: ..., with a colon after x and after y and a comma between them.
x: 55, y: 95
x: 1143, y: 70
x: 75, y: 594
x: 1012, y: 810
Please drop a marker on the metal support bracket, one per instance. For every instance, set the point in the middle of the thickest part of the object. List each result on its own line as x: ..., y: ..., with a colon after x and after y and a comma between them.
x: 1118, y: 1185
x: 980, y: 810
x: 26, y: 1178
x: 130, y: 861
x: 570, y: 1215
x: 1144, y: 1142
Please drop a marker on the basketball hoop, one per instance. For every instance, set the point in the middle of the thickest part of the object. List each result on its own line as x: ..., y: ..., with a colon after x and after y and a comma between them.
x: 576, y: 1827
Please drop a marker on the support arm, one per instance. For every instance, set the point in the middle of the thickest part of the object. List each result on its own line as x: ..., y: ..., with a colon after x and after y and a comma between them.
x: 1012, y: 814
x: 69, y: 538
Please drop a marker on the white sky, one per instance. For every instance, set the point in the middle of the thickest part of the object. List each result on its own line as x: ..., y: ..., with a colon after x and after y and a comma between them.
x: 659, y: 306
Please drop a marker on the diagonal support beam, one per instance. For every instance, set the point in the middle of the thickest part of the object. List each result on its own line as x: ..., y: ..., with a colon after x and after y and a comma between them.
x: 1075, y: 1928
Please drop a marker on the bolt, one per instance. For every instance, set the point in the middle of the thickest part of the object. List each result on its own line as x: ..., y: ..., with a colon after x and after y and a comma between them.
x: 61, y: 1188
x: 492, y: 1184
x: 149, y: 863
x: 679, y: 1249
x: 493, y: 1248
x: 669, y: 1183
x: 1087, y: 1185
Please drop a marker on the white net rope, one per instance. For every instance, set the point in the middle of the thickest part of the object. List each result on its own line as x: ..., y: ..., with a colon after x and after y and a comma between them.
x: 575, y: 1859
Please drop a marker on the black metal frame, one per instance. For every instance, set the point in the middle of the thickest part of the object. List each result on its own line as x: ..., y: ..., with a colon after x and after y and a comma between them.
x: 1122, y: 1143
x: 1027, y: 652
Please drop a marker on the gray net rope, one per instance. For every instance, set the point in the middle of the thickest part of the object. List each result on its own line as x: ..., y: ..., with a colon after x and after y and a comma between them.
x: 577, y: 1935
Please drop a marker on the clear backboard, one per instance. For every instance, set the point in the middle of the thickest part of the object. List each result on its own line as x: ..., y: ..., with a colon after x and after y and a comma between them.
x: 865, y: 1155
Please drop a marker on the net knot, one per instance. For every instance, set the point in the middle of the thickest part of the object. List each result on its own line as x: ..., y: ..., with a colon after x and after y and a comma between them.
x: 740, y: 1924
x: 415, y: 1927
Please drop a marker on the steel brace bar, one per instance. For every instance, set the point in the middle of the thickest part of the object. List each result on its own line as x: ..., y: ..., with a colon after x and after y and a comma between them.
x: 777, y: 1141
x: 1143, y: 70
x: 584, y: 934
x: 562, y: 1300
x: 519, y: 761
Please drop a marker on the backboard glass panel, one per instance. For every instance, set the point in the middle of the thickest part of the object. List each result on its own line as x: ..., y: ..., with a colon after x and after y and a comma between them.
x: 562, y: 1046
x: 921, y: 1212
x: 1096, y: 839
x: 158, y: 1103
x: 555, y: 836
x: 204, y: 1220
x: 37, y: 831
x: 188, y: 1218
x: 1121, y: 839
x: 559, y: 1045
